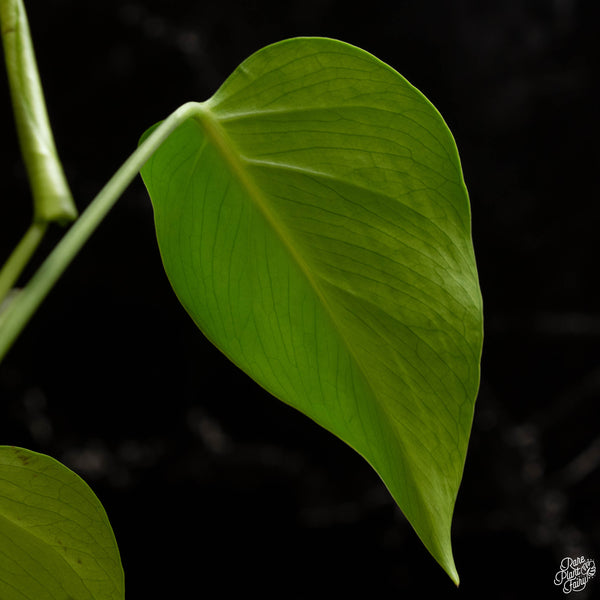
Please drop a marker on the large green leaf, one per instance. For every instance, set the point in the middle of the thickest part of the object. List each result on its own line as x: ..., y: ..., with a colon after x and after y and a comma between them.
x: 313, y: 220
x: 56, y: 542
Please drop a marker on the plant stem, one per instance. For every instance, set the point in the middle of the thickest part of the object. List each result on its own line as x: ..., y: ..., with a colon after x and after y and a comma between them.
x: 20, y: 257
x: 52, y: 199
x: 20, y: 310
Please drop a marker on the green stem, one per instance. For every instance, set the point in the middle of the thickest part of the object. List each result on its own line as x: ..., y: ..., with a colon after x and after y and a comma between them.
x: 52, y: 199
x: 20, y: 310
x: 20, y: 257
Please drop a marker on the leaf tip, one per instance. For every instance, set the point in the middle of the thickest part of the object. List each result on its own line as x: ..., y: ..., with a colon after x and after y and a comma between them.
x: 445, y: 559
x: 450, y: 569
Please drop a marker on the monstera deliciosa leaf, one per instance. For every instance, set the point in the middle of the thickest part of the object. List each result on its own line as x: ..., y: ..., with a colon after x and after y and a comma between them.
x: 313, y: 220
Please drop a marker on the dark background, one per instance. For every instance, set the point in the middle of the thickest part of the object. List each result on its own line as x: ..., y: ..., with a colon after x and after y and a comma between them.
x: 212, y: 486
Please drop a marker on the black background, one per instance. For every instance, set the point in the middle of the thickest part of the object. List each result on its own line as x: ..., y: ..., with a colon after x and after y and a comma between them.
x: 212, y: 486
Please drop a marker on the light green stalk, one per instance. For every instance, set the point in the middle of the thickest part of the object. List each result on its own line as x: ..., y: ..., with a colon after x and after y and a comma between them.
x: 52, y: 201
x: 51, y: 196
x: 20, y: 257
x: 18, y: 312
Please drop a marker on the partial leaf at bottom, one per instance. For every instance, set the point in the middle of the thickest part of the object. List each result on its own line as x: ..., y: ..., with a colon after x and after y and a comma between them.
x: 56, y: 542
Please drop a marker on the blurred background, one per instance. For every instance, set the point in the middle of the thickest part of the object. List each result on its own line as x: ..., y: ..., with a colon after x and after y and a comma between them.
x: 213, y: 486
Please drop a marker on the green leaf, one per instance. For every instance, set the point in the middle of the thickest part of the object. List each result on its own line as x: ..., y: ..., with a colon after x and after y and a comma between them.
x: 56, y: 542
x: 313, y: 220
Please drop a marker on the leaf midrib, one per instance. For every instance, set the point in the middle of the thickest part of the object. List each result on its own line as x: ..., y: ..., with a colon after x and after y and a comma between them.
x: 224, y: 145
x: 210, y: 125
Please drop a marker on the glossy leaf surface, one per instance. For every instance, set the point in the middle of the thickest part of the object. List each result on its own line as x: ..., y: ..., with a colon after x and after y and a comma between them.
x: 313, y: 220
x: 56, y: 542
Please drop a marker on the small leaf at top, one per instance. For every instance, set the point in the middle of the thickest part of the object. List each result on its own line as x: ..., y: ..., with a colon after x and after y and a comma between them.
x: 313, y: 220
x: 56, y: 542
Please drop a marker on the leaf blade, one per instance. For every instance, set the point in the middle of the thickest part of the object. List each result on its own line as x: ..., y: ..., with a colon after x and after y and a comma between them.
x: 56, y: 540
x: 324, y: 246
